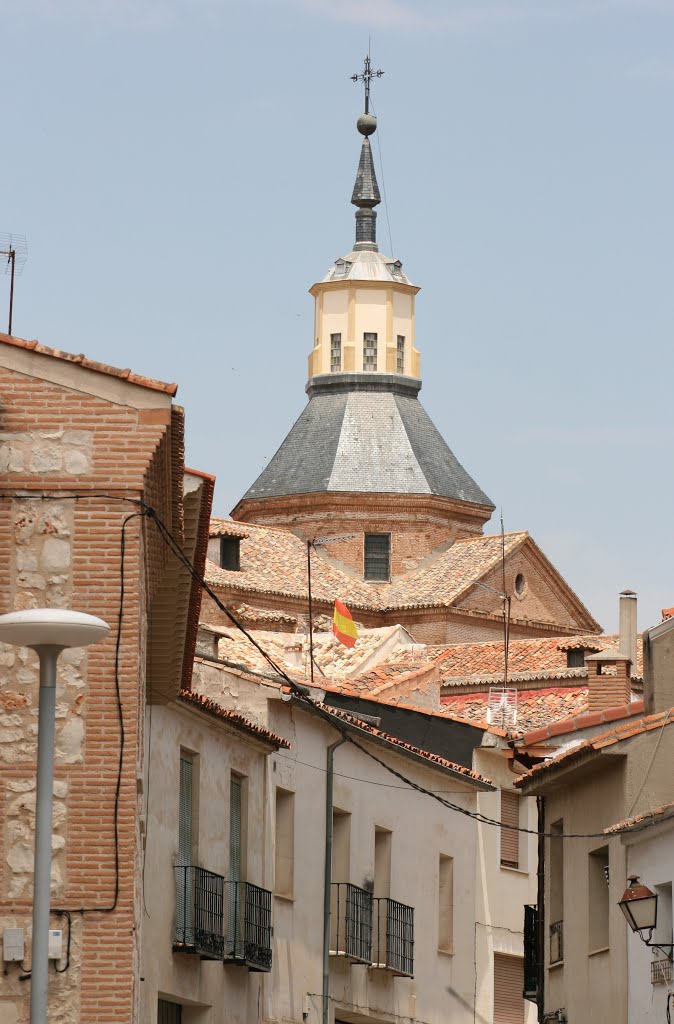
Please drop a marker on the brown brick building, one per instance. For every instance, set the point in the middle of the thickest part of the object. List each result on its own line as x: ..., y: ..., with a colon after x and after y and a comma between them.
x: 85, y: 450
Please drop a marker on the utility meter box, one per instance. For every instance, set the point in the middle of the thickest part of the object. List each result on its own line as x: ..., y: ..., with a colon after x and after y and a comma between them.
x: 12, y: 945
x: 55, y: 944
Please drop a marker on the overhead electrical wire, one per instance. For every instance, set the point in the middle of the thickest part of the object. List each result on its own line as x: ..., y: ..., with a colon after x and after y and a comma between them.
x: 302, y: 692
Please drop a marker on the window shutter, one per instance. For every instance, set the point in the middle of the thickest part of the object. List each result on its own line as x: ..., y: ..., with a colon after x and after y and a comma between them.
x: 510, y: 839
x: 508, y: 989
x: 185, y: 811
x: 235, y: 830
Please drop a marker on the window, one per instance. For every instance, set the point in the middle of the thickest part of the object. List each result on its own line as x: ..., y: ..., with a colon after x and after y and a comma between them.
x: 446, y: 904
x: 186, y: 809
x: 510, y: 839
x: 230, y: 553
x: 400, y: 354
x: 556, y: 892
x: 284, y: 852
x: 369, y: 351
x: 169, y: 1013
x: 520, y: 585
x: 341, y: 845
x: 382, y: 862
x: 335, y: 353
x: 598, y: 904
x: 377, y: 556
x: 508, y: 989
x: 237, y: 859
x: 663, y: 931
x: 575, y: 658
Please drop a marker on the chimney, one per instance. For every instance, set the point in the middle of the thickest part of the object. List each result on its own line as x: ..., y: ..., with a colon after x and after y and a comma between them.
x: 608, y: 680
x: 628, y: 627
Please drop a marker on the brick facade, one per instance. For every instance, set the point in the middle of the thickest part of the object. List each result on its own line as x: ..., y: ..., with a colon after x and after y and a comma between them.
x: 58, y: 440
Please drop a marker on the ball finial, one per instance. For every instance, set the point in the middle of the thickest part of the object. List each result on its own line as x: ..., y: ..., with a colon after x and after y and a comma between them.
x: 366, y: 124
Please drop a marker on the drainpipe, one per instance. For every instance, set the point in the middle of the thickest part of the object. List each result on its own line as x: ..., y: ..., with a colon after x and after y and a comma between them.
x: 328, y: 877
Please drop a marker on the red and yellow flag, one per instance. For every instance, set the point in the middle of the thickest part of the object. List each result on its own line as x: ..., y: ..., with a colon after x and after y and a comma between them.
x: 343, y: 625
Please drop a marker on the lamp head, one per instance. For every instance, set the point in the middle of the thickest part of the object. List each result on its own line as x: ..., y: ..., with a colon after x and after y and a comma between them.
x: 639, y: 905
x: 51, y: 627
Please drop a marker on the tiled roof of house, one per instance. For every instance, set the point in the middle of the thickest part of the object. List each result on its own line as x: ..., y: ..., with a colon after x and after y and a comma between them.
x: 247, y: 613
x: 644, y: 820
x: 626, y: 731
x: 273, y: 562
x: 435, y: 759
x: 228, y: 528
x: 336, y: 660
x: 211, y: 707
x: 577, y: 722
x: 89, y: 364
x: 533, y: 658
x: 534, y: 707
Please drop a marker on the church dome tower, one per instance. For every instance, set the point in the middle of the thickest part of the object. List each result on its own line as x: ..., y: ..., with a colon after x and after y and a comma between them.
x: 364, y: 457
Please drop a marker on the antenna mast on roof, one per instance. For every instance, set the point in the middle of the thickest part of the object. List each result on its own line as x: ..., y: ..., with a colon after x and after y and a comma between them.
x: 15, y: 252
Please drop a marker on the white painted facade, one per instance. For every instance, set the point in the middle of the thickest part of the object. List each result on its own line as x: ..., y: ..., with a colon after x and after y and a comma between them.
x: 650, y: 855
x: 422, y: 833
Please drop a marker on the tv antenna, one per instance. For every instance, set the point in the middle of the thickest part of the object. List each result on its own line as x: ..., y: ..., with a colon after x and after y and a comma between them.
x: 13, y: 255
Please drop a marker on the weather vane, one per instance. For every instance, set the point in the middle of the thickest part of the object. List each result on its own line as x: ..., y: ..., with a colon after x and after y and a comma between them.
x: 366, y: 77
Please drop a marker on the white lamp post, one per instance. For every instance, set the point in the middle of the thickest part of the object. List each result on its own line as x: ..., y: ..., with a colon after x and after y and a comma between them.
x: 48, y: 631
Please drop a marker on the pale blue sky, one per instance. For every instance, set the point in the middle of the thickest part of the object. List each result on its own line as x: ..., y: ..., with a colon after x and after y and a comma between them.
x: 171, y: 161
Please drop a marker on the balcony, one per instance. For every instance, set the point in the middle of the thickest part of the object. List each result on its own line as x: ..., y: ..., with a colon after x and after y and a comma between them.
x: 202, y: 900
x: 557, y: 942
x: 248, y: 940
x: 199, y: 912
x: 351, y: 922
x: 393, y: 937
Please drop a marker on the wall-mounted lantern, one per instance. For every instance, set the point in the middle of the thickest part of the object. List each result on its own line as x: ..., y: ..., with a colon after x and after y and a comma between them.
x: 640, y: 907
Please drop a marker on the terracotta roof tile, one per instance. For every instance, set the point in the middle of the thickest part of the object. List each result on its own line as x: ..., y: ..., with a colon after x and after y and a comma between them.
x: 211, y: 707
x: 581, y: 721
x: 89, y: 364
x: 535, y: 708
x: 228, y: 528
x: 640, y: 820
x: 273, y: 561
x: 623, y: 732
x: 533, y: 656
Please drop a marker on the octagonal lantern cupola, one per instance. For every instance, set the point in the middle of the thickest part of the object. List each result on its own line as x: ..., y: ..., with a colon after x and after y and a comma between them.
x: 364, y: 306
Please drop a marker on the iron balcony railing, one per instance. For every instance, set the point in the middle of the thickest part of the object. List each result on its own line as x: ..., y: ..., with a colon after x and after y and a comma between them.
x: 199, y: 912
x: 248, y: 934
x: 557, y: 942
x: 393, y: 936
x: 351, y: 922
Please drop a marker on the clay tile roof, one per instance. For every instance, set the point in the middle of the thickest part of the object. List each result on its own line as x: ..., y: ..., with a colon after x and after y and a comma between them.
x: 580, y: 721
x: 535, y: 708
x: 627, y: 730
x: 667, y: 613
x: 247, y: 613
x: 531, y: 658
x: 89, y: 364
x: 353, y: 720
x: 228, y: 528
x: 211, y: 707
x: 644, y: 820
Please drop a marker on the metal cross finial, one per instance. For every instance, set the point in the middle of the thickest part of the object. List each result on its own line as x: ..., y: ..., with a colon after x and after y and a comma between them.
x: 366, y: 77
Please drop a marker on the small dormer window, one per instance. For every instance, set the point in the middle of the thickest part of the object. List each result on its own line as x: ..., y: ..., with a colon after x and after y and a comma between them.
x: 396, y: 270
x: 230, y: 553
x: 575, y: 657
x: 341, y: 268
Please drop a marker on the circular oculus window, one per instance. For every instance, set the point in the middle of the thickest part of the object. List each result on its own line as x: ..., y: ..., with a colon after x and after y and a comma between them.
x: 520, y: 585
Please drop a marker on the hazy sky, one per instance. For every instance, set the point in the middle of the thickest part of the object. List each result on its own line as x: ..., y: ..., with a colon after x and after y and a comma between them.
x: 183, y: 168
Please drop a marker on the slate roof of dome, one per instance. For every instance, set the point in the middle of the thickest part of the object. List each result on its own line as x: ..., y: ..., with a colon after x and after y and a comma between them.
x: 366, y: 265
x: 365, y: 433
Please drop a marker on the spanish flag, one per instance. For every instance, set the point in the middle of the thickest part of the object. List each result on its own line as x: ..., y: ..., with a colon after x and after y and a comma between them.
x: 343, y: 625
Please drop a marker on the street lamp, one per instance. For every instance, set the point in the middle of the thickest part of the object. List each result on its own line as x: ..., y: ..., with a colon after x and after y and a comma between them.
x: 48, y: 631
x: 640, y: 907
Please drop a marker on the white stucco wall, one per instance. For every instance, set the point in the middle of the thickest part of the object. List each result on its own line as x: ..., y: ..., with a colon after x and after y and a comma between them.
x: 650, y: 855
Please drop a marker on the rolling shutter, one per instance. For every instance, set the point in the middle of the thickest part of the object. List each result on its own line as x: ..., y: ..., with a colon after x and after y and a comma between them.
x: 510, y: 839
x: 185, y: 811
x: 508, y: 989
